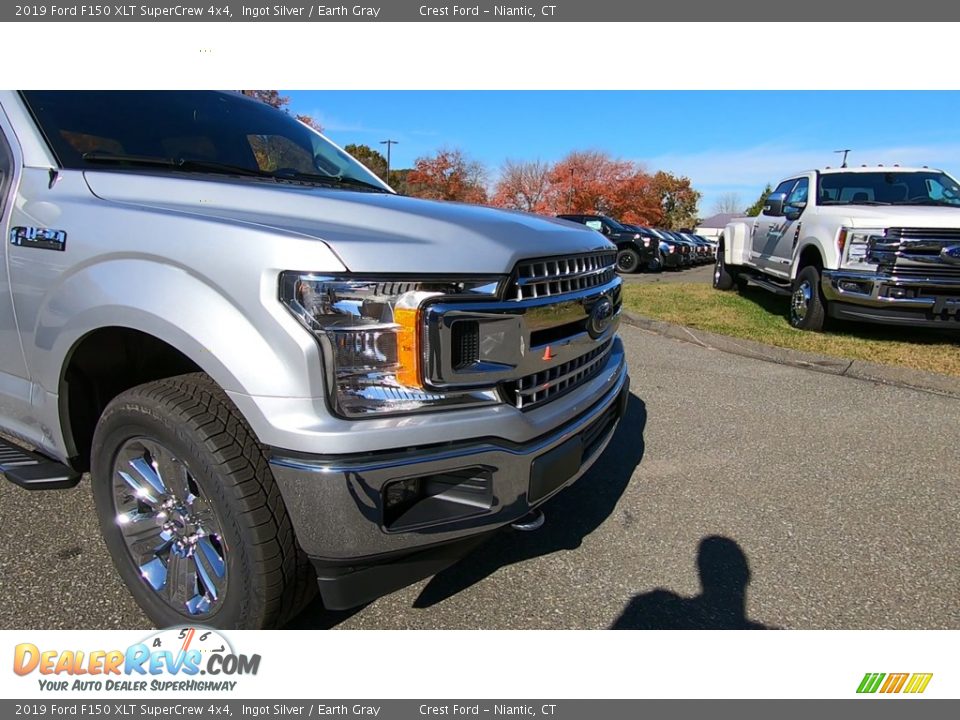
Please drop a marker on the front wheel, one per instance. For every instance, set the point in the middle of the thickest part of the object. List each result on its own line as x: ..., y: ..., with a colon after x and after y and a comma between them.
x: 808, y: 309
x: 190, y: 512
x: 655, y: 263
x: 628, y: 260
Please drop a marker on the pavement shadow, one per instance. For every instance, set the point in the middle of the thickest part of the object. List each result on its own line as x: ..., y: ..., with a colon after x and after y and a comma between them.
x: 578, y: 511
x: 721, y: 605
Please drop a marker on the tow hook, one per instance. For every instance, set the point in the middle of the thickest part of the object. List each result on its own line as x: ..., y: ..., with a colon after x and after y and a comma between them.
x: 533, y: 520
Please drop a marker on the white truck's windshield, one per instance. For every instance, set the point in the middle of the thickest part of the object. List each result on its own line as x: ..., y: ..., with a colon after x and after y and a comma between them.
x: 208, y: 132
x: 888, y: 188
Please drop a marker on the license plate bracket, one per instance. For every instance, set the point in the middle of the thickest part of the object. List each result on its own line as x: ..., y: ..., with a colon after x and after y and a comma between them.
x: 554, y: 468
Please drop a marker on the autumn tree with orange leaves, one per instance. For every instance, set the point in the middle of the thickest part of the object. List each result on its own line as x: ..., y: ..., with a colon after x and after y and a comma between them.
x: 448, y: 175
x: 591, y: 181
x: 524, y: 186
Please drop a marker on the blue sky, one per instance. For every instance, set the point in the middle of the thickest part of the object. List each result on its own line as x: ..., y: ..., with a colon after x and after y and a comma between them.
x: 725, y: 141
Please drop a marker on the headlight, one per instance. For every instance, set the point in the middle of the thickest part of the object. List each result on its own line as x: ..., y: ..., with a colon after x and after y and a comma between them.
x: 646, y: 242
x: 371, y: 333
x: 857, y: 242
x: 673, y: 248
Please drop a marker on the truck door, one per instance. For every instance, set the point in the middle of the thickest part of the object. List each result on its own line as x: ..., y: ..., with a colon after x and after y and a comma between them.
x: 767, y: 231
x: 781, y: 256
x: 13, y: 368
x: 14, y: 378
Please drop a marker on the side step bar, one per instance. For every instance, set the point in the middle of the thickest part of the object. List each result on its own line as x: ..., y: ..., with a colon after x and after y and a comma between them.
x: 783, y: 290
x: 33, y: 471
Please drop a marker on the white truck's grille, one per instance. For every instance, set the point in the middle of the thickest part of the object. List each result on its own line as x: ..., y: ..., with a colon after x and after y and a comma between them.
x: 546, y: 277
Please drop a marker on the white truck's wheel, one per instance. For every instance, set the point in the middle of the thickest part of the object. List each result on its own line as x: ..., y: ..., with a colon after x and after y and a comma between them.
x: 723, y: 279
x: 808, y: 310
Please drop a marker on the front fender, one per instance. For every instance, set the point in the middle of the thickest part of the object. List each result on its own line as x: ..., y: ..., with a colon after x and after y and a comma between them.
x: 736, y: 243
x: 258, y: 350
x: 803, y: 245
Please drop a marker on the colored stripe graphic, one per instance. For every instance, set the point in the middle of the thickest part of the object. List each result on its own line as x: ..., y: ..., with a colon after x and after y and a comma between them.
x: 894, y: 682
x: 870, y: 682
x: 918, y: 682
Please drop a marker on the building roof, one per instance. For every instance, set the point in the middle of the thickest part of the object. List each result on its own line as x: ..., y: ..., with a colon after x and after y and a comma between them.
x: 718, y: 221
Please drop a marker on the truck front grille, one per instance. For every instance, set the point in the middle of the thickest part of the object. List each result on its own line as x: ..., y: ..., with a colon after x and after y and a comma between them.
x: 930, y: 271
x: 948, y: 234
x: 537, y: 388
x: 558, y: 275
x: 912, y: 246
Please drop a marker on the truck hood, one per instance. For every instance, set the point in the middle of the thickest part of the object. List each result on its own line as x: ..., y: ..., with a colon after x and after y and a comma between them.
x: 884, y: 216
x: 370, y: 232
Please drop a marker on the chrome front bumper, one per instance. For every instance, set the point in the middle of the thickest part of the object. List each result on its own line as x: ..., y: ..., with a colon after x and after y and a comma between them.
x: 337, y: 504
x: 888, y: 298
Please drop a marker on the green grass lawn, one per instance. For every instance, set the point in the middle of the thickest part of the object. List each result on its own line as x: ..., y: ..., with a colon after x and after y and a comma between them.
x: 758, y: 315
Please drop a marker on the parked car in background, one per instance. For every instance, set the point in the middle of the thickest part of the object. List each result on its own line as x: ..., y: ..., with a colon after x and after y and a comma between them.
x: 684, y: 248
x: 704, y: 248
x: 673, y: 255
x: 713, y: 242
x: 696, y: 254
x: 635, y: 251
x: 870, y: 244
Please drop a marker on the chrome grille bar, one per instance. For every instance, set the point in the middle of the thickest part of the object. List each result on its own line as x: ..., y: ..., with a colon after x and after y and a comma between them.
x: 537, y: 388
x: 559, y: 275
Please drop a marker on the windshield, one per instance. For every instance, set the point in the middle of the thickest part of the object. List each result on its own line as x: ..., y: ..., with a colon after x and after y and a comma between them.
x: 888, y: 188
x: 189, y: 131
x: 614, y: 224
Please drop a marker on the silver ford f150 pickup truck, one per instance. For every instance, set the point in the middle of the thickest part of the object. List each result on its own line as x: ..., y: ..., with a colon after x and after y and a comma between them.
x: 280, y: 374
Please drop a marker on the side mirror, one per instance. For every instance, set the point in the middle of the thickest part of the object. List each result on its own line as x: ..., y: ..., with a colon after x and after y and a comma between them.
x: 794, y: 210
x: 605, y: 229
x: 773, y: 205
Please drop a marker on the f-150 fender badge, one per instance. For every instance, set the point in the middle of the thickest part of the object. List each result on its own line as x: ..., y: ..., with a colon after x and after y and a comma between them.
x: 40, y: 238
x: 951, y: 254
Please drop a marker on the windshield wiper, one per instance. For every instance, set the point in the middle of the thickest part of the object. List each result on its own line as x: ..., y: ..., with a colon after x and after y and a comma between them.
x: 119, y: 158
x: 851, y: 202
x: 181, y: 163
x: 930, y: 201
x: 186, y: 163
x: 333, y: 180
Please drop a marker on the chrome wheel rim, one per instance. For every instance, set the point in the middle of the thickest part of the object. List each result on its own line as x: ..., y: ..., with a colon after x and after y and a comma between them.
x: 716, y: 272
x: 800, y: 302
x: 169, y: 528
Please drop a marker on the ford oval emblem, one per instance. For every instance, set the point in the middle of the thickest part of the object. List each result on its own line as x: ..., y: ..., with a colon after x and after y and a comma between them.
x: 600, y: 317
x: 951, y: 254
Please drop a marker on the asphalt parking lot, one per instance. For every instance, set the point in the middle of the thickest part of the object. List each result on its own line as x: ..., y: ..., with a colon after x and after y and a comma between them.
x: 736, y: 493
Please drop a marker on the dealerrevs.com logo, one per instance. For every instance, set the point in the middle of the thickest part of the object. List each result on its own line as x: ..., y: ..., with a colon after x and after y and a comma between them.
x: 172, y: 660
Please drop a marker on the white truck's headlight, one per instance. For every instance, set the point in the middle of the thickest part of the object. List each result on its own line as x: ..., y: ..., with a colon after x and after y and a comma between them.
x: 371, y: 332
x: 857, y: 241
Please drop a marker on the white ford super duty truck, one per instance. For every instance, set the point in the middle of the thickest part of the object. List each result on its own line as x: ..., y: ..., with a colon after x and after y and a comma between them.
x: 876, y: 244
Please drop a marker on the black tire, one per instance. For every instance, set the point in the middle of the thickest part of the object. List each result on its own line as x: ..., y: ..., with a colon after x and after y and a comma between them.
x: 628, y: 260
x: 808, y: 308
x: 723, y: 279
x: 655, y: 264
x: 209, y: 451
